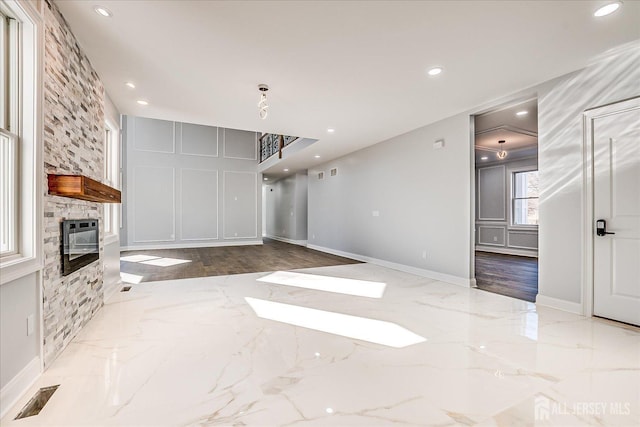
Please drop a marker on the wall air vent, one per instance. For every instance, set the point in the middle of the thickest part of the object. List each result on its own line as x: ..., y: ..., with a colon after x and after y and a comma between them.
x: 321, y: 175
x: 334, y: 171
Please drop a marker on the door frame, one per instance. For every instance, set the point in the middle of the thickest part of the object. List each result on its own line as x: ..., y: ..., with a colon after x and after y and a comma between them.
x: 588, y: 206
x: 497, y: 105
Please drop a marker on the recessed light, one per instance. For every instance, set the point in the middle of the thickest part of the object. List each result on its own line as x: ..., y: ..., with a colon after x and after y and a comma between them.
x: 285, y: 170
x: 131, y: 85
x: 317, y: 156
x: 607, y: 9
x: 329, y: 410
x: 265, y: 178
x: 142, y: 102
x: 434, y: 71
x: 103, y: 11
x: 484, y: 158
x: 331, y: 130
x: 522, y: 113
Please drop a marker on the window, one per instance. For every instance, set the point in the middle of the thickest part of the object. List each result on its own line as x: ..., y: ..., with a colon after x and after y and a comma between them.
x: 524, y: 206
x: 111, y: 176
x: 9, y: 107
x: 21, y: 166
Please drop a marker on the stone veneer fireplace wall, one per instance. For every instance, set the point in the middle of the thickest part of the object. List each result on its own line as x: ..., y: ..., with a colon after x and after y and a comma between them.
x: 74, y: 118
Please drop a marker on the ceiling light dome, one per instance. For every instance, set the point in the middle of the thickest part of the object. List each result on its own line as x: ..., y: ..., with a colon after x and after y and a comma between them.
x: 103, y: 11
x: 607, y: 9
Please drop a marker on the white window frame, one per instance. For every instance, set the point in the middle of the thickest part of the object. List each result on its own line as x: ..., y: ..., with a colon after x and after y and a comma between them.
x: 112, y: 178
x: 28, y: 130
x: 512, y: 198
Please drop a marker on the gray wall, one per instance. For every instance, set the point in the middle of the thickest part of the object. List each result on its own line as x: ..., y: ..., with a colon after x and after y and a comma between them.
x: 494, y: 232
x: 286, y: 209
x: 18, y: 300
x: 400, y: 201
x: 561, y: 104
x: 189, y: 185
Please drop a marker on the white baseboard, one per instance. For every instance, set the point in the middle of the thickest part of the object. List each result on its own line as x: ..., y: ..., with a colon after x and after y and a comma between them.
x: 192, y: 245
x: 455, y: 280
x: 508, y: 251
x: 285, y: 240
x: 18, y: 386
x: 559, y: 304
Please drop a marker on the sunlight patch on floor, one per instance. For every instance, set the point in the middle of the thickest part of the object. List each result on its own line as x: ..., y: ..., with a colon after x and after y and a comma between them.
x: 361, y: 328
x: 362, y: 288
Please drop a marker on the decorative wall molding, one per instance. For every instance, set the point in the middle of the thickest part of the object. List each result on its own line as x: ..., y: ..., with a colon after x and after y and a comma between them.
x: 224, y: 219
x: 496, y: 227
x: 504, y: 201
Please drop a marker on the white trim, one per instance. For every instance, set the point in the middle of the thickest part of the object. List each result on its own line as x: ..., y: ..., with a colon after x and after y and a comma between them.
x: 18, y: 386
x: 511, y: 171
x: 448, y: 278
x: 500, y: 227
x: 285, y: 240
x: 588, y: 219
x: 31, y: 146
x: 224, y: 220
x: 559, y: 304
x: 508, y: 251
x: 504, y: 196
x: 192, y: 245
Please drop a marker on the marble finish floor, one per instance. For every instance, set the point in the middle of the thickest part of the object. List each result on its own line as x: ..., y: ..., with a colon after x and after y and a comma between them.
x: 193, y: 352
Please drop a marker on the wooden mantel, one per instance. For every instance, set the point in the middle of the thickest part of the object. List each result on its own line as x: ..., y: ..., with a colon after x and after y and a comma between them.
x: 83, y: 188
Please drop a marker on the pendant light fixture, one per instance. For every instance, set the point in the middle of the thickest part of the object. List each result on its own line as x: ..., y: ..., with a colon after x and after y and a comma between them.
x: 502, y: 153
x: 263, y: 107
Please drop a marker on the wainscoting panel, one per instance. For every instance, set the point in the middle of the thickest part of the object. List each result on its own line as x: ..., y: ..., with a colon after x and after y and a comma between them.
x: 523, y: 239
x: 240, y: 144
x: 491, y: 194
x: 240, y: 211
x: 491, y: 235
x: 198, y: 140
x: 154, y: 204
x: 157, y: 136
x: 199, y: 209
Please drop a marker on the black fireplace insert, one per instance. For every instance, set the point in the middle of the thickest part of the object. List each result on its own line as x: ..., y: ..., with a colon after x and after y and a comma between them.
x: 80, y: 244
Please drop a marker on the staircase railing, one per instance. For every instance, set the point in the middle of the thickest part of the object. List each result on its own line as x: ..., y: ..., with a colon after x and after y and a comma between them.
x: 270, y: 144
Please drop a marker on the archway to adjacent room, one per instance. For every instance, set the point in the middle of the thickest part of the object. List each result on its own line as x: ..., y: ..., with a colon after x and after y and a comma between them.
x: 506, y: 200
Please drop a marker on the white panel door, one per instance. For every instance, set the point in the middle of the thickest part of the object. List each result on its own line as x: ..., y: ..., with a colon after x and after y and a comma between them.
x: 616, y: 200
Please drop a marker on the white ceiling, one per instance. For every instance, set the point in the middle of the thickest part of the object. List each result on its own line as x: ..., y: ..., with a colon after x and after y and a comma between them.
x: 520, y: 133
x: 356, y: 66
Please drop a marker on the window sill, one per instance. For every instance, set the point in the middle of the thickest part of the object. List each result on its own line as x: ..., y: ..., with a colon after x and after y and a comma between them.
x: 15, y: 268
x: 523, y: 227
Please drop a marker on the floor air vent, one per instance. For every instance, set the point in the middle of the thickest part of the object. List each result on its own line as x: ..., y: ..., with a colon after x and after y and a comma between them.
x: 125, y: 289
x: 37, y: 402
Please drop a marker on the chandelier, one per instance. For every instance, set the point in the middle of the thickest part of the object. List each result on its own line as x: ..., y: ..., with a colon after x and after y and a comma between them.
x: 502, y: 153
x: 263, y: 107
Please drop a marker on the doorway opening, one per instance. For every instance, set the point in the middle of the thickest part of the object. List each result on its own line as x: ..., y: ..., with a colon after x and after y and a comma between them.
x: 506, y: 200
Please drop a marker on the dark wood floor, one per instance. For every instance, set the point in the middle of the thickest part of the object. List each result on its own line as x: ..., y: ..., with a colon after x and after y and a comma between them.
x: 272, y: 255
x: 513, y: 276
